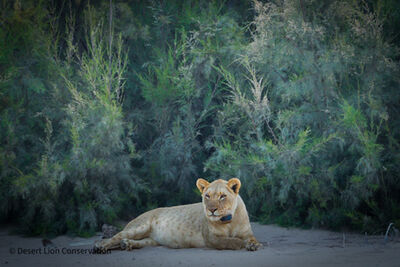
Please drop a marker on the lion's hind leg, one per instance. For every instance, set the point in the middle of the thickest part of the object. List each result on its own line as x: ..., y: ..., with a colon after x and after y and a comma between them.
x: 130, y: 244
x: 133, y: 231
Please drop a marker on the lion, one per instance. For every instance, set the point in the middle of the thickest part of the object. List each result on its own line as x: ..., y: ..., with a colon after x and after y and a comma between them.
x: 220, y: 221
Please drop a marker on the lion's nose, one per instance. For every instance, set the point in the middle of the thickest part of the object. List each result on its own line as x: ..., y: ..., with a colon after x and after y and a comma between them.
x: 212, y: 210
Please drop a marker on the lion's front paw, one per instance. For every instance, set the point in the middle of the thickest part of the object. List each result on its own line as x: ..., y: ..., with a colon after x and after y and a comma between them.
x: 253, y: 245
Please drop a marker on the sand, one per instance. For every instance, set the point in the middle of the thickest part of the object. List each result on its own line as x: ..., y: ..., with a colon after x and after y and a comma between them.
x: 282, y: 247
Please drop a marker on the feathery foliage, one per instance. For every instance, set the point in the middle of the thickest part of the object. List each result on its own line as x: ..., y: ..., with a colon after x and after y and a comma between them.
x: 297, y: 98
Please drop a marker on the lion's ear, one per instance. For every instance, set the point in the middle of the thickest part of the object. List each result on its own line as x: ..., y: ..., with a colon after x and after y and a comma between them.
x: 201, y: 184
x: 234, y: 184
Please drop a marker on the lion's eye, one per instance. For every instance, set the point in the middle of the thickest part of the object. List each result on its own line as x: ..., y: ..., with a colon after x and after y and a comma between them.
x: 222, y: 197
x: 207, y: 196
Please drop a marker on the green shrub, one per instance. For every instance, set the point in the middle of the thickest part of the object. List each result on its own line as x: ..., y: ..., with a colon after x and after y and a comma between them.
x: 299, y: 99
x: 309, y: 129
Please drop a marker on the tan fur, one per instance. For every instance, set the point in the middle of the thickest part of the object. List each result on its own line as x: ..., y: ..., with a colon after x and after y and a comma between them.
x: 194, y: 225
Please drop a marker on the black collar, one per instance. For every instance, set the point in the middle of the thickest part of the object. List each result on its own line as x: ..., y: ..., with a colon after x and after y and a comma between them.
x: 226, y: 218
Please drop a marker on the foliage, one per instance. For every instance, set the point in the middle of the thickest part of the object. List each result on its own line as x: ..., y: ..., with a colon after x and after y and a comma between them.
x: 309, y: 132
x: 298, y: 99
x: 84, y: 168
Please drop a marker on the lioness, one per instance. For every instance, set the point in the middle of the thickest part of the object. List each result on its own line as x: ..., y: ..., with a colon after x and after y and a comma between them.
x: 219, y: 222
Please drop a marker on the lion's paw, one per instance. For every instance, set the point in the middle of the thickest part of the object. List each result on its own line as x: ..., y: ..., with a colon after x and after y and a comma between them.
x: 253, y: 245
x: 98, y: 247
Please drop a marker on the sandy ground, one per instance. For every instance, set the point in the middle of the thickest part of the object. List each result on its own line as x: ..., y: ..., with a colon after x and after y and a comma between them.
x: 282, y: 247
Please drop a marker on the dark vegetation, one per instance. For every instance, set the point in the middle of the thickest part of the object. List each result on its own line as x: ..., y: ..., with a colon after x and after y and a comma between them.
x: 297, y: 98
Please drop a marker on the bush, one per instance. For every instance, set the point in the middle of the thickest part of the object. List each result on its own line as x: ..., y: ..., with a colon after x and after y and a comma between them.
x: 299, y: 99
x: 313, y: 123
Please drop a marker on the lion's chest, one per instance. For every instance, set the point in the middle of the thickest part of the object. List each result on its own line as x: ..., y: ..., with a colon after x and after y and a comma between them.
x: 226, y: 230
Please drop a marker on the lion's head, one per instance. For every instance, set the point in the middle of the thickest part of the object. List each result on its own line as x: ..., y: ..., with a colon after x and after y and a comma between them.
x: 219, y: 198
